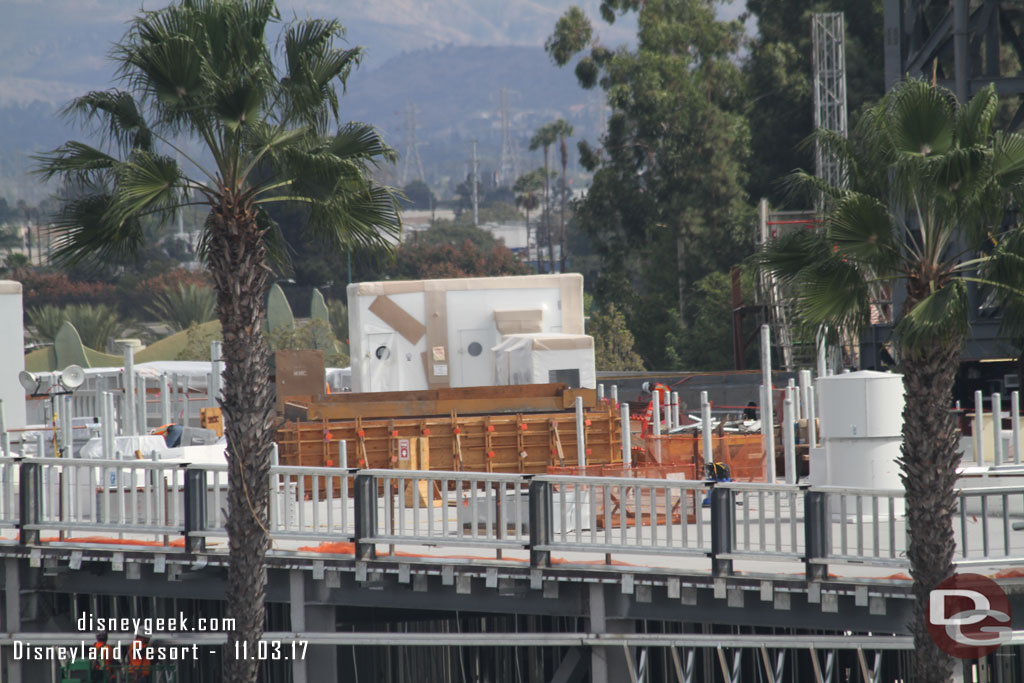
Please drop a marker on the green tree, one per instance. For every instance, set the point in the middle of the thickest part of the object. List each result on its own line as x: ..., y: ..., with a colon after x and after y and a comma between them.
x: 921, y: 152
x: 96, y: 325
x: 527, y: 187
x: 667, y: 204
x: 418, y: 195
x: 562, y: 130
x: 185, y: 305
x: 546, y: 136
x: 203, y: 72
x: 613, y: 342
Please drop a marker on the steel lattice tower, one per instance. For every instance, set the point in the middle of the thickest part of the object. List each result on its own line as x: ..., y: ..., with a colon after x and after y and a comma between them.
x: 829, y: 61
x: 508, y: 163
x: 412, y: 152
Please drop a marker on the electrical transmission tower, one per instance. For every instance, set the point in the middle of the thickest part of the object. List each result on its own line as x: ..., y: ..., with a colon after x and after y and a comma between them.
x: 508, y: 162
x: 827, y: 34
x: 412, y: 152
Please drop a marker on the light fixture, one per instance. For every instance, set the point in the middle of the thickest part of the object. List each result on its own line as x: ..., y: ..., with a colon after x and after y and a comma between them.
x: 72, y: 377
x: 29, y: 381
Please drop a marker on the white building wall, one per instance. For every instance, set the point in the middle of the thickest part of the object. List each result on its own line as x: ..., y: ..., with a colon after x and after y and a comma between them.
x: 12, y: 353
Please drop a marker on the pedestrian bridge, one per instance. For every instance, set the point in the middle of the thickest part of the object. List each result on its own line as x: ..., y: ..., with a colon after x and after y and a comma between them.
x: 606, y: 550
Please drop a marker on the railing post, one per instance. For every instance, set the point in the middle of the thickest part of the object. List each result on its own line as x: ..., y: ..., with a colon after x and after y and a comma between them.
x: 540, y: 523
x: 723, y: 529
x: 195, y: 510
x: 816, y: 528
x: 30, y: 502
x: 365, y: 515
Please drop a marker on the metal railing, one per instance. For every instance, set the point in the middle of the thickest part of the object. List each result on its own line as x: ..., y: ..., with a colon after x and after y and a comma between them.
x: 173, y: 504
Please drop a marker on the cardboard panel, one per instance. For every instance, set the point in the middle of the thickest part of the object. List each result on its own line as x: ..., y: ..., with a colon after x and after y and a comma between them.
x: 572, y: 304
x: 438, y: 355
x: 396, y: 317
x: 299, y: 373
x: 519, y: 322
x: 566, y: 343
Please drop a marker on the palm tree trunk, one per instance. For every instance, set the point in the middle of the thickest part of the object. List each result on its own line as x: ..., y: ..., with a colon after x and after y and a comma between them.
x: 561, y: 217
x: 547, y: 211
x: 527, y: 235
x: 237, y: 262
x: 929, y: 461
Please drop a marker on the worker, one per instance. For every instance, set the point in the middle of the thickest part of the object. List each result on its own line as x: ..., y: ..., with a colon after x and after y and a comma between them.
x: 140, y: 666
x: 102, y: 670
x: 664, y: 399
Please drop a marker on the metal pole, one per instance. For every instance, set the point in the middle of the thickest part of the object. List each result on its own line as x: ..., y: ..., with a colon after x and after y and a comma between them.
x: 705, y: 425
x: 217, y: 369
x: 5, y: 437
x: 343, y: 454
x: 141, y: 413
x: 1015, y: 425
x: 165, y: 400
x: 656, y: 411
x: 66, y: 424
x: 615, y: 393
x: 979, y: 447
x: 822, y: 355
x: 812, y: 426
x: 107, y: 426
x: 627, y: 446
x: 675, y: 409
x: 581, y: 446
x: 997, y: 429
x: 767, y: 412
x: 600, y: 392
x: 788, y: 442
x: 791, y: 392
x: 129, y: 389
x: 805, y: 400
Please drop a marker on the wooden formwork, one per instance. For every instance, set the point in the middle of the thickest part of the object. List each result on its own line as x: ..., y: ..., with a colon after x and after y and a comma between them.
x: 519, y: 442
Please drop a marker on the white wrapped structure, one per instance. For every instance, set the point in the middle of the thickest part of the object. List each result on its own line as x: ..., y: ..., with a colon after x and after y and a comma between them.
x: 432, y: 334
x: 543, y: 358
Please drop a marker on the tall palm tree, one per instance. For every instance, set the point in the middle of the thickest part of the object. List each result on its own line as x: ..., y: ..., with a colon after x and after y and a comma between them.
x: 919, y: 153
x: 199, y: 73
x: 526, y: 188
x: 562, y: 130
x: 546, y: 136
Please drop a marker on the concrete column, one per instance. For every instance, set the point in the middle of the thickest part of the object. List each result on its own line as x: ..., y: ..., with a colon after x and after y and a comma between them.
x: 321, y: 662
x: 12, y: 614
x: 607, y: 664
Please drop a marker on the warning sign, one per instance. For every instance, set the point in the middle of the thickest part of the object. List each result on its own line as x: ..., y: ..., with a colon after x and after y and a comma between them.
x: 403, y: 449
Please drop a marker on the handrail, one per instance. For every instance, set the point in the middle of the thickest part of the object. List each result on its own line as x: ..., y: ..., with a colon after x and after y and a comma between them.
x: 588, y: 515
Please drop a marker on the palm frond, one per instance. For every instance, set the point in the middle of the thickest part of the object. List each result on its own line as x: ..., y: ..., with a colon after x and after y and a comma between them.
x: 940, y: 315
x: 921, y: 120
x: 360, y: 141
x: 75, y: 159
x: 1008, y: 159
x: 974, y: 121
x: 146, y: 182
x: 119, y: 118
x: 367, y: 219
x: 862, y: 229
x: 88, y: 232
x: 790, y: 255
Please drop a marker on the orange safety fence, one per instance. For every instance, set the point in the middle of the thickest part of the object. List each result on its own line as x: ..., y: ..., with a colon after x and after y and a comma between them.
x: 743, y: 453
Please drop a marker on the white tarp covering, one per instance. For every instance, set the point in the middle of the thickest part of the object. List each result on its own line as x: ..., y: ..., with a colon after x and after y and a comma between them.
x: 543, y: 358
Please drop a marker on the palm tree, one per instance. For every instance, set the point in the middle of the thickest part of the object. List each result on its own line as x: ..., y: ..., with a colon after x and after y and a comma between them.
x: 920, y: 153
x: 563, y: 130
x: 526, y: 188
x: 546, y: 136
x: 201, y: 72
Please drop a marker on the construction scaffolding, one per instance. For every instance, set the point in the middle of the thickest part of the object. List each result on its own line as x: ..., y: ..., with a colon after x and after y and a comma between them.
x: 829, y: 64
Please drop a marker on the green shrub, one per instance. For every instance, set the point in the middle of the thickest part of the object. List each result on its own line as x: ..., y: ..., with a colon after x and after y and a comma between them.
x: 185, y: 305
